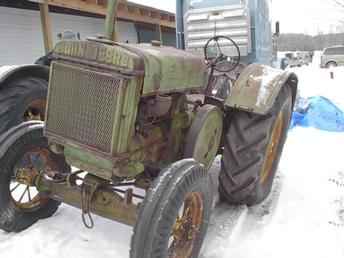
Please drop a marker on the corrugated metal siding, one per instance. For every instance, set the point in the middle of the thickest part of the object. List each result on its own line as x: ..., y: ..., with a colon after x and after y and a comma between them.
x: 21, y: 37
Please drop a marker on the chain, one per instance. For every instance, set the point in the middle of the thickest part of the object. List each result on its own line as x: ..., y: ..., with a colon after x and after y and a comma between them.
x: 89, y: 187
x: 86, y: 200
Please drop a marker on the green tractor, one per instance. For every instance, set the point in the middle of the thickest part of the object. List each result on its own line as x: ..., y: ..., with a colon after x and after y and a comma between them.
x: 131, y: 132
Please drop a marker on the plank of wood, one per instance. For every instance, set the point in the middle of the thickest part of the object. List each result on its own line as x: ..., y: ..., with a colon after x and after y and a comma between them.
x: 126, y: 11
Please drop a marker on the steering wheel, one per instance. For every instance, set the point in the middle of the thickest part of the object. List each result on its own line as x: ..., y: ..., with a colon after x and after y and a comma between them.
x: 221, y: 62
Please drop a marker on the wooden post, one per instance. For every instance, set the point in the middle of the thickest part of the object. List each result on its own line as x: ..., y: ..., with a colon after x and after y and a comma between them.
x: 159, y: 33
x: 46, y: 26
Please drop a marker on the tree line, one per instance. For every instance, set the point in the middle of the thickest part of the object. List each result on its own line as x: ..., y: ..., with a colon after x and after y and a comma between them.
x: 303, y: 42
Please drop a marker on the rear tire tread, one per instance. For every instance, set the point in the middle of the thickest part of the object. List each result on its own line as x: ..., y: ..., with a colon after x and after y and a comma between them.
x: 14, y: 98
x: 245, y: 145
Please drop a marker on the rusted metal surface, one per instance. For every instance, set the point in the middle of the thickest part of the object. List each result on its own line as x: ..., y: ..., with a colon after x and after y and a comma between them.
x: 79, y: 111
x: 104, y: 68
x: 114, y: 56
x: 105, y: 202
x: 93, y: 110
x: 187, y: 227
x: 168, y: 70
x: 76, y: 93
x: 272, y: 151
x: 258, y: 87
x: 23, y: 185
x: 35, y: 110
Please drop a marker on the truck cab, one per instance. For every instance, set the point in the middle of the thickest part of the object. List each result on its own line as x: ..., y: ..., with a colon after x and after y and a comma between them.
x: 247, y: 22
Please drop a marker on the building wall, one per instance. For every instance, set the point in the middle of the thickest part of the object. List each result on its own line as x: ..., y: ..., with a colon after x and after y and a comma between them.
x: 21, y: 40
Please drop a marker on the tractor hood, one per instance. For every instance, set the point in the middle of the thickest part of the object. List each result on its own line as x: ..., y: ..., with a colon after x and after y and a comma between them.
x: 165, y: 69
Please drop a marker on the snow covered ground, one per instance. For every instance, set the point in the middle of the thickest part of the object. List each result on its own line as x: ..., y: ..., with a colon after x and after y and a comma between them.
x: 303, y: 217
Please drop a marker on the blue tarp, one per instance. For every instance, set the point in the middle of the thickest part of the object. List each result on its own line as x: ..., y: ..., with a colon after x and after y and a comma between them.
x: 320, y: 113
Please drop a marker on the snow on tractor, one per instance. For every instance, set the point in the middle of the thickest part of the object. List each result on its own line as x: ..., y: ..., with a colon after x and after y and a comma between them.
x: 140, y: 125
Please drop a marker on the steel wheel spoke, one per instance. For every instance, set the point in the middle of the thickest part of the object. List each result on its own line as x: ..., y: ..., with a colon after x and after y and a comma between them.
x: 14, y: 188
x: 21, y: 197
x: 218, y: 47
x: 29, y: 194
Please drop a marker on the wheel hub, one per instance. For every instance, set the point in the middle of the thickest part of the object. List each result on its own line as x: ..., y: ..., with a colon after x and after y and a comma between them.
x: 23, y: 183
x: 187, y: 227
x: 26, y: 176
x: 35, y: 111
x: 204, y: 136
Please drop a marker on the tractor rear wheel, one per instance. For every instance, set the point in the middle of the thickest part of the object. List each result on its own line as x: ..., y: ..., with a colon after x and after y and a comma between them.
x: 21, y: 204
x: 22, y: 100
x: 252, y: 151
x: 174, y: 216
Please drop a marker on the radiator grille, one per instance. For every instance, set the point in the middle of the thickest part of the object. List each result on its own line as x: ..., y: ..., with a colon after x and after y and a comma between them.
x: 81, y: 105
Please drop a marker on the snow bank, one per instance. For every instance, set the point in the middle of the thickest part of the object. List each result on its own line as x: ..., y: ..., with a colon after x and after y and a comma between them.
x: 301, y: 225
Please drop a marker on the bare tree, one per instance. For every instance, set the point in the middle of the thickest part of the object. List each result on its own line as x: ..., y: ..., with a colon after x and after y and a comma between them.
x: 339, y: 3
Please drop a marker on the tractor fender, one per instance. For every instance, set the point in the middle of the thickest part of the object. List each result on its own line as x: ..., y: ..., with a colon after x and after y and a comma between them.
x: 257, y: 88
x: 11, y: 136
x: 12, y: 72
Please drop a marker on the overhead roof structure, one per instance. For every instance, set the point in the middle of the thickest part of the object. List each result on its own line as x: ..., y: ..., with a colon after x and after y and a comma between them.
x: 126, y: 10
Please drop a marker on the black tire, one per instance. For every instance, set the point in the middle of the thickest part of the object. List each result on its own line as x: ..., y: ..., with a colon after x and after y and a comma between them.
x: 16, y: 98
x: 12, y: 217
x: 45, y: 60
x: 331, y: 64
x: 160, y: 208
x: 247, y: 144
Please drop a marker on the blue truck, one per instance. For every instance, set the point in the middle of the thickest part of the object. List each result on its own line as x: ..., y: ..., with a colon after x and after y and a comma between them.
x: 247, y: 22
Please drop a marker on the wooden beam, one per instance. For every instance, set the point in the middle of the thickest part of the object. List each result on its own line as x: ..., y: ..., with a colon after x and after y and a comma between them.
x: 127, y: 13
x: 46, y: 26
x: 159, y: 33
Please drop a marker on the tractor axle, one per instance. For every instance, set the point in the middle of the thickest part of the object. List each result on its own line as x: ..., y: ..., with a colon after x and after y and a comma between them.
x: 92, y: 196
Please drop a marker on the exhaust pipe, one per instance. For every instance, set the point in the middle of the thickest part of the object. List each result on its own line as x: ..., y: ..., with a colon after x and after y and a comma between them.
x: 111, y: 20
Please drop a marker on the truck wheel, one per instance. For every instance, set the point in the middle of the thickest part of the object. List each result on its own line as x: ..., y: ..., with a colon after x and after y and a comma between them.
x: 174, y: 216
x: 22, y: 100
x: 331, y: 64
x: 21, y: 204
x: 253, y: 147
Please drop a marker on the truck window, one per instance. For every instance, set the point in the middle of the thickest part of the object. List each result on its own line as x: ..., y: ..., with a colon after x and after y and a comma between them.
x: 197, y: 4
x: 334, y: 51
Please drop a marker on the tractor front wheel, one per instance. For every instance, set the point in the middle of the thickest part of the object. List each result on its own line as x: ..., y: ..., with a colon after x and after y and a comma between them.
x: 253, y: 147
x: 21, y: 204
x: 174, y: 216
